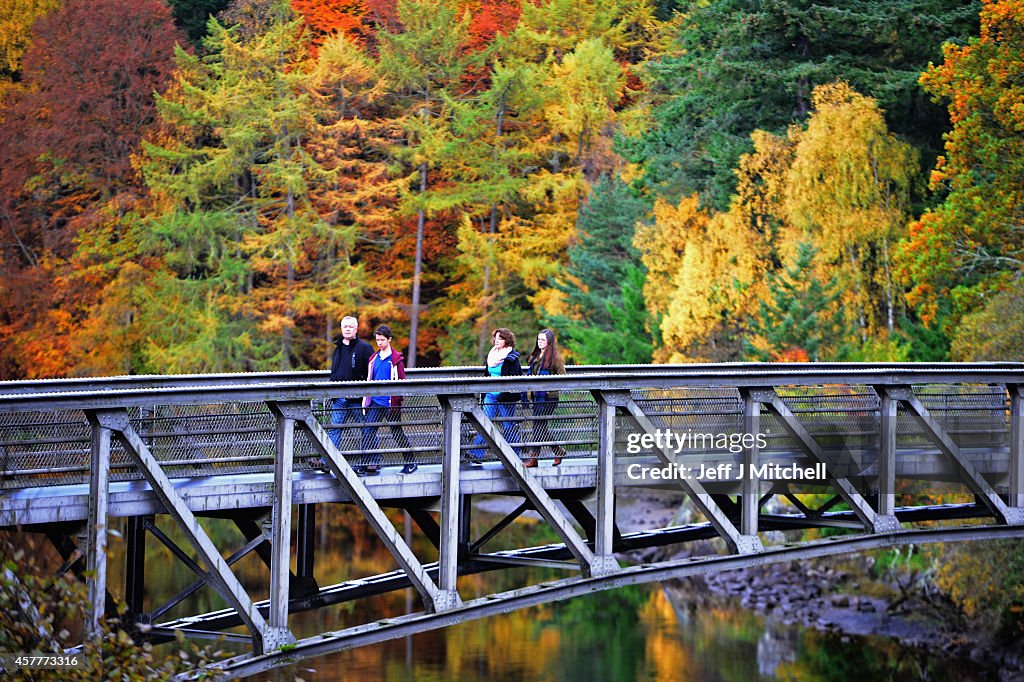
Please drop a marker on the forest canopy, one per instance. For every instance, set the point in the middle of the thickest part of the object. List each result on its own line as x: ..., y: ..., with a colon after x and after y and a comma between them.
x: 211, y: 186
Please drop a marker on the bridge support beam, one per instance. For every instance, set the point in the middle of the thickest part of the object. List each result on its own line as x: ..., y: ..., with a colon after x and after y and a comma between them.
x: 591, y: 564
x: 135, y: 567
x: 750, y: 488
x: 305, y: 550
x: 737, y: 541
x: 281, y: 521
x: 218, y: 572
x: 604, y: 531
x: 888, y: 410
x: 875, y: 523
x: 1013, y: 516
x: 451, y: 521
x: 96, y: 525
x: 1016, y: 498
x: 434, y: 599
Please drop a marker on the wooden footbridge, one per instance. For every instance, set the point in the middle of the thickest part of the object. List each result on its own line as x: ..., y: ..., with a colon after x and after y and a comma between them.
x: 741, y: 441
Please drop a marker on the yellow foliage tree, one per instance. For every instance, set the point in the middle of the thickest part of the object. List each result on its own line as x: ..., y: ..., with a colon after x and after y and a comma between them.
x: 849, y: 187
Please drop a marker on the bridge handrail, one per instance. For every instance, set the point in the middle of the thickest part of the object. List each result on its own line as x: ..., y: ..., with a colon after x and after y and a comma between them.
x: 302, y: 386
x: 148, y: 381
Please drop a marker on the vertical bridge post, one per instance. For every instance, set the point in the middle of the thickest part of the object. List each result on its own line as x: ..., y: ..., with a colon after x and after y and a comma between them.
x: 96, y: 526
x: 604, y: 534
x: 1016, y: 492
x: 888, y: 410
x: 281, y: 518
x: 750, y: 489
x: 451, y: 507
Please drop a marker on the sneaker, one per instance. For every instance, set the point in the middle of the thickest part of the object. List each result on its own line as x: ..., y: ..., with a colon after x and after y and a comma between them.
x: 475, y: 462
x: 410, y: 467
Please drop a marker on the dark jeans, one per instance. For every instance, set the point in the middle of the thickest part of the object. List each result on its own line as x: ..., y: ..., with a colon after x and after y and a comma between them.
x: 541, y: 432
x: 509, y: 429
x: 377, y: 413
x: 345, y: 411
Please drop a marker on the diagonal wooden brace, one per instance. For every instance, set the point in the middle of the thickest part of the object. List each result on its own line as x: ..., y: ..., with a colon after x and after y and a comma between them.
x: 737, y: 541
x: 873, y: 522
x: 219, y: 575
x: 591, y: 564
x: 434, y: 599
x: 1011, y: 516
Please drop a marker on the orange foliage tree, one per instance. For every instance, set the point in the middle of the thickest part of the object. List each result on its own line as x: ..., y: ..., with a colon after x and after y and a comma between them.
x: 66, y: 143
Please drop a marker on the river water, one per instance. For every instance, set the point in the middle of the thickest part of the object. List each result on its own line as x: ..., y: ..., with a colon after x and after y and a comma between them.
x: 649, y: 632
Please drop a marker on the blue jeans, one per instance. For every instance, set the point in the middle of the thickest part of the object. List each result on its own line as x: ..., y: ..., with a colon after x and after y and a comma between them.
x: 509, y: 429
x: 345, y: 411
x: 379, y: 413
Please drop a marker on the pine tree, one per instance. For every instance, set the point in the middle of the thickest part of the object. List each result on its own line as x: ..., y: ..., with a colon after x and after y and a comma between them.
x: 239, y: 227
x: 739, y: 66
x: 603, y: 281
x: 799, y: 318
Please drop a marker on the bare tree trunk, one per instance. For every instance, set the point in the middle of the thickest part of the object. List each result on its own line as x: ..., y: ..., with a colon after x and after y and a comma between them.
x: 484, y: 337
x: 417, y: 271
x: 889, y: 302
x: 286, y: 341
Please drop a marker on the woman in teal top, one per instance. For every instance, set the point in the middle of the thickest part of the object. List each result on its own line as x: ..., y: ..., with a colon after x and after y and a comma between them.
x: 502, y: 361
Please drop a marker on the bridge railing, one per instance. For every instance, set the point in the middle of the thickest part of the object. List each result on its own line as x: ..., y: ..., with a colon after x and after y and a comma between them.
x: 210, y: 425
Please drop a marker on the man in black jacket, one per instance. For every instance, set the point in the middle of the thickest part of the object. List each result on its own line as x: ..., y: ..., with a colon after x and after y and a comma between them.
x: 350, y: 362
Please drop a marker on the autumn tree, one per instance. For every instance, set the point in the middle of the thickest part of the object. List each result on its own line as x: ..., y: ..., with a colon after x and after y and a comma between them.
x: 849, y: 186
x: 66, y: 144
x: 962, y: 254
x: 842, y: 185
x: 706, y: 270
x: 424, y: 60
x: 16, y: 20
x: 737, y: 66
x: 799, y: 319
x: 191, y: 16
x: 348, y: 18
x: 236, y: 224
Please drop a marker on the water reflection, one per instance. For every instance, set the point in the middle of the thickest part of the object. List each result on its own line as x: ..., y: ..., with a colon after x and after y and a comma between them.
x: 634, y: 633
x: 652, y: 632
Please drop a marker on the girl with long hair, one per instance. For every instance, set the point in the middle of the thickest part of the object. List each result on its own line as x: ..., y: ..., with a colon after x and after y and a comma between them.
x: 544, y: 360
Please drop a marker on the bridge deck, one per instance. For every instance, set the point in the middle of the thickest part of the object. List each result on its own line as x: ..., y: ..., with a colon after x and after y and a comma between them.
x: 575, y: 477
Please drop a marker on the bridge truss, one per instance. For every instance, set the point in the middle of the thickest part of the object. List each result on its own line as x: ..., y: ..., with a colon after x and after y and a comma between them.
x: 263, y: 451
